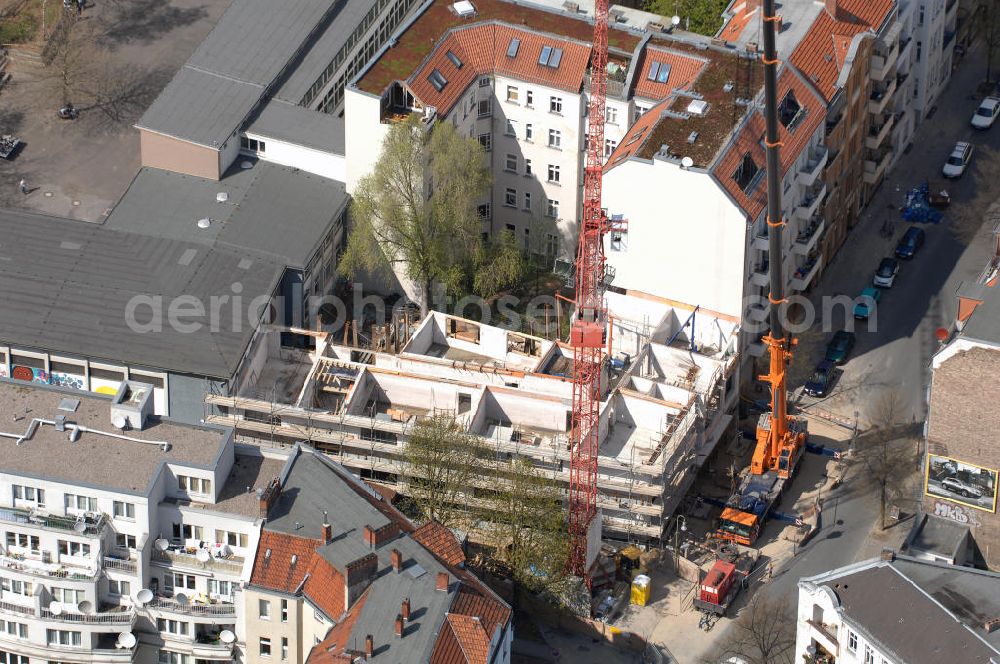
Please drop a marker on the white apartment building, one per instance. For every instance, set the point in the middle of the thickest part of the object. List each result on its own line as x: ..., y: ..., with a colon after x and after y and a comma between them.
x: 934, y: 24
x: 125, y: 536
x: 898, y: 610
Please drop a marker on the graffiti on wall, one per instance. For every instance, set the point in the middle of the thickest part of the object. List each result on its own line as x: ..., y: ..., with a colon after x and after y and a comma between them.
x: 3, y: 371
x: 956, y: 513
x: 29, y: 374
x: 66, y: 380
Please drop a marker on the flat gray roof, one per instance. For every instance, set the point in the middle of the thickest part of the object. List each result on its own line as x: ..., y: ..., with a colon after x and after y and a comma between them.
x: 226, y: 77
x: 937, y: 535
x: 797, y: 17
x: 239, y: 494
x: 288, y: 122
x: 984, y: 324
x: 94, y: 459
x: 275, y: 211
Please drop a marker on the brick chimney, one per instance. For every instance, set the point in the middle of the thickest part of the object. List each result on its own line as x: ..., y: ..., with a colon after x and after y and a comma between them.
x: 327, y: 533
x: 833, y: 7
x: 405, y: 610
x: 397, y: 560
x: 369, y: 646
x: 442, y: 581
x: 375, y: 537
x: 369, y: 536
x: 268, y: 495
x: 888, y: 555
x: 399, y: 625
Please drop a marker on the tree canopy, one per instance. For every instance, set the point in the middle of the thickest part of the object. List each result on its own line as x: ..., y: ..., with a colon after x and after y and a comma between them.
x: 701, y: 16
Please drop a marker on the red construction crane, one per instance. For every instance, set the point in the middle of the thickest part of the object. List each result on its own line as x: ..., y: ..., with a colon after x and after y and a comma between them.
x: 587, y: 335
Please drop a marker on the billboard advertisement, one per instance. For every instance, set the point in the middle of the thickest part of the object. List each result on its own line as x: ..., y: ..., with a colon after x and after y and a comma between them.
x: 962, y: 483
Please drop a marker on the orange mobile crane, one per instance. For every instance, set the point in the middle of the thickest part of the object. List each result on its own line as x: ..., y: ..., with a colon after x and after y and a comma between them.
x: 780, y: 437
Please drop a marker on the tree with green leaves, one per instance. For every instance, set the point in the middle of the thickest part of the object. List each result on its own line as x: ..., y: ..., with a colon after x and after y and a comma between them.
x: 701, y: 16
x: 443, y: 462
x: 529, y: 522
x: 417, y: 210
x: 501, y: 265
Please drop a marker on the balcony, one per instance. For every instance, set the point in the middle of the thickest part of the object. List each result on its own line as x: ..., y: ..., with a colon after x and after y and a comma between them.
x: 877, y: 133
x: 185, y: 560
x: 759, y: 275
x: 825, y: 635
x: 804, y: 274
x: 807, y: 238
x: 883, y: 64
x: 833, y: 123
x: 212, y: 650
x: 120, y: 564
x: 811, y: 202
x: 875, y: 165
x: 34, y: 565
x: 760, y: 240
x: 90, y: 527
x: 190, y: 608
x: 118, y: 617
x: 813, y: 167
x: 880, y: 97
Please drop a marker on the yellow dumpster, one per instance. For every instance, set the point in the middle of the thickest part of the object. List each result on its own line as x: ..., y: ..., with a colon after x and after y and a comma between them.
x: 640, y: 590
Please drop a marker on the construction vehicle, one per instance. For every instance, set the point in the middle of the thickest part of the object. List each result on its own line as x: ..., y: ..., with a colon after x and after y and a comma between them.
x: 780, y: 437
x: 720, y: 586
x: 588, y: 333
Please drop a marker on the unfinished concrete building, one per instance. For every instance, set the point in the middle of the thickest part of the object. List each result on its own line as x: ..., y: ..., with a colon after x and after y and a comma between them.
x: 664, y: 409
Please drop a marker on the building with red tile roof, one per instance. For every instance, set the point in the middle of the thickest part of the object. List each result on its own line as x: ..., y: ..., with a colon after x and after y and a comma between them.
x: 340, y: 568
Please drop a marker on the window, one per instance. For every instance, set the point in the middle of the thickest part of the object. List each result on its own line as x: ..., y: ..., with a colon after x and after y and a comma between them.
x: 29, y: 494
x: 555, y: 104
x: 639, y: 112
x: 510, y: 228
x: 175, y: 580
x: 172, y: 626
x: 484, y: 82
x: 550, y: 57
x: 551, y: 244
x: 555, y: 138
x: 529, y: 132
x: 553, y: 173
x: 485, y: 211
x: 284, y: 647
x: 527, y: 201
x: 920, y: 20
x: 510, y: 197
x: 869, y: 655
x: 920, y: 46
x: 284, y: 610
x: 264, y: 609
x: 512, y: 47
x: 609, y: 146
x: 852, y: 641
x: 486, y: 140
x: 116, y: 587
x: 512, y: 95
x: 248, y: 144
x: 28, y: 542
x: 194, y: 484
x: 63, y: 637
x: 74, y: 549
x: 186, y: 531
x: 617, y: 241
x: 124, y: 510
x: 265, y: 647
x: 746, y: 173
x: 510, y: 131
x: 230, y: 538
x: 16, y: 587
x: 11, y: 658
x: 552, y: 210
x: 789, y: 111
x: 511, y: 163
x: 437, y: 79
x: 612, y: 115
x: 529, y: 98
x: 527, y: 167
x: 484, y: 108
x: 79, y: 503
x: 124, y: 541
x: 67, y: 595
x: 17, y: 630
x: 658, y: 71
x: 454, y: 59
x: 167, y: 657
x: 220, y: 588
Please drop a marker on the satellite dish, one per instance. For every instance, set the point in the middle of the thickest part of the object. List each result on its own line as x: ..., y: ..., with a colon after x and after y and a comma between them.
x: 687, y: 162
x: 86, y: 606
x: 144, y: 596
x: 161, y: 544
x: 226, y: 636
x: 675, y: 21
x: 181, y: 599
x: 126, y: 640
x: 79, y: 526
x: 55, y: 608
x: 203, y: 555
x: 204, y: 222
x: 119, y: 420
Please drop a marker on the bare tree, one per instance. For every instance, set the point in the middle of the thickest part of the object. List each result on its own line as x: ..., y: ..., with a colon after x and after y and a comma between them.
x: 989, y: 29
x: 764, y: 633
x: 882, y: 453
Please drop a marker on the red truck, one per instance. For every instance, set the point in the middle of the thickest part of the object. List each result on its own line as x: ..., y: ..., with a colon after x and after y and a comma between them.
x: 721, y: 586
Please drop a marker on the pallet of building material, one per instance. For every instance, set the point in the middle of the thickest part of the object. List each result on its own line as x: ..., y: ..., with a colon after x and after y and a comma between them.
x: 8, y: 146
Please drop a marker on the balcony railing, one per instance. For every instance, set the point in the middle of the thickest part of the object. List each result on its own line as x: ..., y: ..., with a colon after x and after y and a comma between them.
x: 883, y: 64
x: 35, y: 567
x: 875, y: 166
x: 814, y: 166
x: 175, y: 558
x: 221, y: 610
x: 760, y: 275
x: 879, y: 98
x: 807, y: 208
x: 89, y: 527
x: 10, y: 607
x: 213, y: 650
x: 877, y: 133
x: 126, y: 617
x: 804, y: 274
x: 120, y: 564
x: 833, y: 122
x: 807, y: 238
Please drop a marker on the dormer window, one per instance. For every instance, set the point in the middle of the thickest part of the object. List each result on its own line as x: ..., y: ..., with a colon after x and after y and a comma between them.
x: 746, y: 173
x: 437, y: 80
x: 454, y: 59
x: 658, y: 71
x: 790, y: 111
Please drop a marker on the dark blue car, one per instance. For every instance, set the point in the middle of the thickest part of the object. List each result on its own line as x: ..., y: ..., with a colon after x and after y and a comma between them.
x: 819, y: 383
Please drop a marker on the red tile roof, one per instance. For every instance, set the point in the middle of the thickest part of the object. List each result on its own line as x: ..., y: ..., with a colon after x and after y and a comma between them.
x: 750, y: 140
x: 684, y: 69
x: 482, y: 603
x: 441, y: 542
x: 636, y: 135
x: 447, y: 649
x: 471, y: 637
x: 274, y: 570
x: 325, y: 587
x: 822, y: 52
x: 743, y: 12
x: 422, y: 37
x: 331, y: 649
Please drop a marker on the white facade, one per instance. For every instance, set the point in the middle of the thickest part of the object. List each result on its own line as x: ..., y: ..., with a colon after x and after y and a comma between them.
x: 822, y: 626
x: 310, y: 160
x: 933, y: 61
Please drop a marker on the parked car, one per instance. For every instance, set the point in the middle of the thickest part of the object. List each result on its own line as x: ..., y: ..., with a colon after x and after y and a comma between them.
x: 840, y: 346
x: 961, y: 488
x: 911, y: 241
x: 869, y: 298
x: 819, y: 383
x: 987, y: 113
x: 958, y: 160
x: 885, y: 275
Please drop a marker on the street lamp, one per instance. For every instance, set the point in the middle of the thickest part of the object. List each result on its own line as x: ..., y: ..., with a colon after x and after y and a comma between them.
x: 679, y: 519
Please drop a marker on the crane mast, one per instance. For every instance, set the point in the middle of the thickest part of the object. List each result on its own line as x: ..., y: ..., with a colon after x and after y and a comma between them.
x: 587, y: 335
